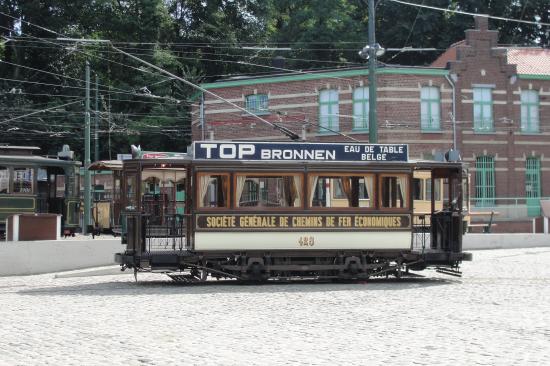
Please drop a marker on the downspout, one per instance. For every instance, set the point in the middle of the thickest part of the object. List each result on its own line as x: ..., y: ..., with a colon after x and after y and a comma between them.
x: 450, y: 81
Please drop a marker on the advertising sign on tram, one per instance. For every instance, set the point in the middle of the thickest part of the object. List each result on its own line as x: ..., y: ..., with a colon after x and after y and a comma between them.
x: 280, y: 151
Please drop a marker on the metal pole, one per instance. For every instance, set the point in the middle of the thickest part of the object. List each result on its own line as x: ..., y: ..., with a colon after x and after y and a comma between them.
x: 87, y: 183
x: 201, y: 116
x: 96, y: 120
x: 373, y: 127
x: 453, y: 116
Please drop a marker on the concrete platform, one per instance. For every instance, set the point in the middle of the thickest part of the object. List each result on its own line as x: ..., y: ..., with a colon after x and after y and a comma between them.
x: 504, y: 241
x: 45, y: 256
x: 36, y: 257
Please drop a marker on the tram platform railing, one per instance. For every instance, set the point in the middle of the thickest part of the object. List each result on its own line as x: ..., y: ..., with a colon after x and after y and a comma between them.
x: 168, y: 234
x: 421, y: 237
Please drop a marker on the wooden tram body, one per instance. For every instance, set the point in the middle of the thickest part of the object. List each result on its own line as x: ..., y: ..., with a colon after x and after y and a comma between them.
x: 29, y: 184
x: 247, y: 218
x: 106, y: 208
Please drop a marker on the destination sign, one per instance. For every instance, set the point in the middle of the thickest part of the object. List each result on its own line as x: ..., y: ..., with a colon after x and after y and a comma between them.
x: 278, y: 151
x: 301, y: 222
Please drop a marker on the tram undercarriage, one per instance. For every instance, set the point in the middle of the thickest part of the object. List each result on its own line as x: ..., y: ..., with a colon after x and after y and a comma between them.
x: 187, y: 266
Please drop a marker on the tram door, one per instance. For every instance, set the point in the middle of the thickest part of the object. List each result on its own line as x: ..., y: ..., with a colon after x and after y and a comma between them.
x: 446, y: 228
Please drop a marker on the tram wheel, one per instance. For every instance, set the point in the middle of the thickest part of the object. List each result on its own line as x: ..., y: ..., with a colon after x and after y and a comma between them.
x: 256, y: 272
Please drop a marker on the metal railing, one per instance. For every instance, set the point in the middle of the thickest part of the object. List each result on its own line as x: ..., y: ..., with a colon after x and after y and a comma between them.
x: 509, y: 208
x: 421, y: 238
x: 167, y: 235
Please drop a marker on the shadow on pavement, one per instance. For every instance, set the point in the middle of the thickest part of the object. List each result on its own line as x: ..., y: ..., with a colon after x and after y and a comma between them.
x: 168, y: 287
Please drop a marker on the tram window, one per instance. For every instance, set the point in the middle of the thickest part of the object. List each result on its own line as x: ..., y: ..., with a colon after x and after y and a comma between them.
x: 418, y: 189
x: 268, y: 191
x: 180, y: 197
x: 346, y: 191
x: 4, y: 179
x: 213, y: 190
x: 151, y: 186
x: 437, y: 189
x: 393, y: 191
x: 131, y: 199
x: 23, y: 180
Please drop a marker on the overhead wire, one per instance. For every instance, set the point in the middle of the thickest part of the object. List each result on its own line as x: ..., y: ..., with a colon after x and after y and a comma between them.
x: 537, y: 23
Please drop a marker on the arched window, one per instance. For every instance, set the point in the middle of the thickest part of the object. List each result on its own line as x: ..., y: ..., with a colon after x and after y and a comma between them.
x: 361, y: 108
x: 328, y: 111
x: 430, y: 108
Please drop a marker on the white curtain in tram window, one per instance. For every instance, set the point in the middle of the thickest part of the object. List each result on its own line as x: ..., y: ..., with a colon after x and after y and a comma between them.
x: 241, y: 179
x: 151, y: 173
x: 402, y: 180
x: 312, y: 186
x: 298, y: 188
x: 204, y: 182
x: 369, y: 185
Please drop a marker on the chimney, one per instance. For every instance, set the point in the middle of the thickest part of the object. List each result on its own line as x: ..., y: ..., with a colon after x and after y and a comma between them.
x: 481, y: 23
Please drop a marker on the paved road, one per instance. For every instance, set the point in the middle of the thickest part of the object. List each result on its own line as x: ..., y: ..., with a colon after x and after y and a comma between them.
x: 498, y: 313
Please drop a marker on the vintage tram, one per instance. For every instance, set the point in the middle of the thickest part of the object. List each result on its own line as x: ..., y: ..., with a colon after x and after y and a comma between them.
x: 38, y: 184
x: 106, y: 206
x: 258, y: 211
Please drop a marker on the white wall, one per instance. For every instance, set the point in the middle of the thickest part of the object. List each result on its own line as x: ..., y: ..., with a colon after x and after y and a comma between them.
x: 34, y: 257
x: 504, y: 241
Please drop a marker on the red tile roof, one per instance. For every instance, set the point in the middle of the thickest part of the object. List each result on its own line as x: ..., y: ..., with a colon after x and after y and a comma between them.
x: 534, y: 61
x: 449, y: 55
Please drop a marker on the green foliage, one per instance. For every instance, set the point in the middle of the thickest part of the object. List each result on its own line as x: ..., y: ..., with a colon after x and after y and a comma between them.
x: 200, y: 40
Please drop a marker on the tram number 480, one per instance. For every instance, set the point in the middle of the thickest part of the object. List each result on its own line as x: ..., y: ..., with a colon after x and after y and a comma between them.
x: 306, y: 241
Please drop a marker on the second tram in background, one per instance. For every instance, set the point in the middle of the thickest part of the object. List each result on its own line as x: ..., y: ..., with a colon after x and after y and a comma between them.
x: 258, y: 211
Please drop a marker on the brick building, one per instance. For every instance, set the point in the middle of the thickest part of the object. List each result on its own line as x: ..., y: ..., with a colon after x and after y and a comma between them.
x: 499, y: 98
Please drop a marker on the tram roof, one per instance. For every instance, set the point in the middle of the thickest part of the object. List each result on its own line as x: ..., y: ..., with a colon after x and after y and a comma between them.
x: 106, y: 165
x: 35, y: 160
x: 420, y: 164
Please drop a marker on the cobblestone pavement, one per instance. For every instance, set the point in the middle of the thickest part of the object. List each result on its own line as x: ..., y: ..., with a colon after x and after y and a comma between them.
x: 498, y: 313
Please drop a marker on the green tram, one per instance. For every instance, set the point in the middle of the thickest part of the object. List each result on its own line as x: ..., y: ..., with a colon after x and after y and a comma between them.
x: 37, y: 184
x: 259, y: 211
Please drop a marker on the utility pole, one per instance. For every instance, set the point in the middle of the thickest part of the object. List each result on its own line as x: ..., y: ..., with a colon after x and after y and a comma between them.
x: 96, y: 120
x: 87, y: 180
x: 373, y: 127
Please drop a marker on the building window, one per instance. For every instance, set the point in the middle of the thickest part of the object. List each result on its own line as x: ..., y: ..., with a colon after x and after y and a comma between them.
x: 256, y: 103
x: 430, y: 107
x: 361, y: 108
x: 529, y: 111
x: 483, y: 110
x: 532, y: 186
x: 485, y: 181
x: 328, y: 111
x: 4, y: 179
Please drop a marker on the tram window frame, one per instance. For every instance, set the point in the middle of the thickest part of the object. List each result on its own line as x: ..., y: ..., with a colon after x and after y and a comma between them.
x: 199, y: 199
x: 14, y: 181
x: 6, y: 179
x: 419, y: 189
x: 131, y: 197
x: 407, y: 195
x: 299, y: 189
x: 361, y: 175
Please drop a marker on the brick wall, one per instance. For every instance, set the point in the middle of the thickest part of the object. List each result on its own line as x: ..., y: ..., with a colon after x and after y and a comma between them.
x: 479, y: 62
